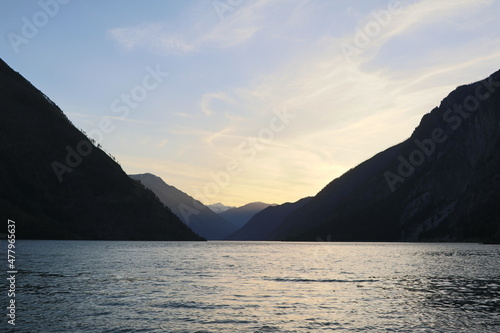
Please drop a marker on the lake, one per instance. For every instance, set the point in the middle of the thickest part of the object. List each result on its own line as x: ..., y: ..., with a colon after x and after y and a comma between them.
x: 101, y: 286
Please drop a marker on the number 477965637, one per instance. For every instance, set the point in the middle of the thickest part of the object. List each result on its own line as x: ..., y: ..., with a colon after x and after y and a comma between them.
x: 12, y: 244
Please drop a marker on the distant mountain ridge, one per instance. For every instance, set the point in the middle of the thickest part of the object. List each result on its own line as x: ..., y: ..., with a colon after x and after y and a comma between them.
x: 441, y: 184
x: 241, y: 215
x: 57, y: 185
x: 193, y: 213
x: 262, y: 226
x: 219, y: 207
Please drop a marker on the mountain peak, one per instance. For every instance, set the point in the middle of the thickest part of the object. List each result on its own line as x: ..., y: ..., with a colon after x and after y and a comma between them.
x: 219, y: 207
x: 192, y: 212
x: 239, y: 216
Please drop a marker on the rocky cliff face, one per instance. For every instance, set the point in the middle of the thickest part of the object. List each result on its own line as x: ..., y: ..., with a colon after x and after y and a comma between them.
x: 442, y: 184
x: 57, y: 185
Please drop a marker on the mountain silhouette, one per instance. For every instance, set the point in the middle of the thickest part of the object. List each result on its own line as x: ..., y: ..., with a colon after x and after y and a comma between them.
x: 193, y: 213
x: 441, y: 184
x: 57, y: 185
x: 239, y: 216
x: 263, y: 225
x: 219, y: 207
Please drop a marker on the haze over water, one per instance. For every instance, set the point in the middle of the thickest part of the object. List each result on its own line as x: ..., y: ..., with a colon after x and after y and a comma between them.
x: 87, y: 286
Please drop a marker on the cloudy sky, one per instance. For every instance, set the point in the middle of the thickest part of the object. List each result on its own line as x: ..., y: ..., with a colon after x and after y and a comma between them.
x: 236, y: 101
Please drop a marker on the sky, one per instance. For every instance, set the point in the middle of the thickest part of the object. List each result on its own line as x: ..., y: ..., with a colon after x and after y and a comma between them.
x: 236, y: 101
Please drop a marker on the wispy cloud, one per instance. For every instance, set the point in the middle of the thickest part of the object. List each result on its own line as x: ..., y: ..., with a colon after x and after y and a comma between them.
x: 157, y: 37
x: 424, y: 13
x: 162, y: 143
x: 207, y: 99
x: 408, y: 19
x: 246, y: 22
x: 154, y: 36
x: 183, y: 115
x: 234, y: 30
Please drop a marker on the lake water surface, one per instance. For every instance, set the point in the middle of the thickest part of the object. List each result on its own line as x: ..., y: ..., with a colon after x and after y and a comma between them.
x: 90, y: 286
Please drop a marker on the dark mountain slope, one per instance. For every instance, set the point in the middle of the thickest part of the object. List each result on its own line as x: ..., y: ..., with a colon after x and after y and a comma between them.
x: 442, y: 184
x: 193, y: 213
x: 262, y: 226
x: 92, y: 198
x: 241, y: 215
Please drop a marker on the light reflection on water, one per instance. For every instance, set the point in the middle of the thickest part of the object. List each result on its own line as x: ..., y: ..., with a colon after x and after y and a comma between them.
x: 68, y: 286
